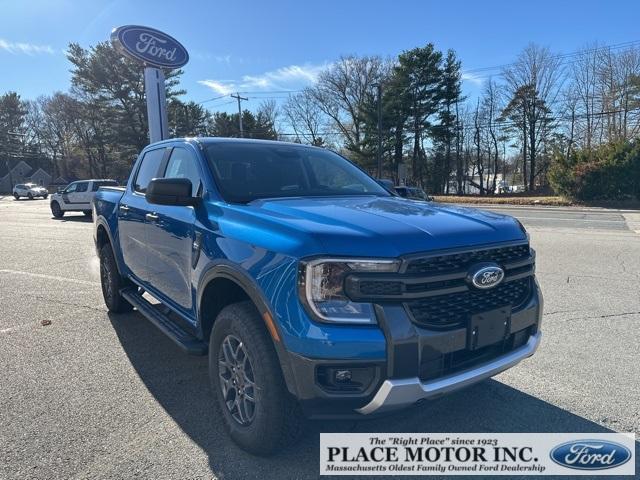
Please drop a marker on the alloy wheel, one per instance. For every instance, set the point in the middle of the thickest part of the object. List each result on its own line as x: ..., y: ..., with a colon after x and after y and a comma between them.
x: 237, y: 380
x: 106, y: 275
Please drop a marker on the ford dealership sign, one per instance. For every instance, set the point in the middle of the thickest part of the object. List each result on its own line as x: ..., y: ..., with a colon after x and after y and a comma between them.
x: 150, y: 46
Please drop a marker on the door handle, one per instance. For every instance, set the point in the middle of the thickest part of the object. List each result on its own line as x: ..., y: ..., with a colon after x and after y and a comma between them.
x: 152, y: 217
x: 124, y: 208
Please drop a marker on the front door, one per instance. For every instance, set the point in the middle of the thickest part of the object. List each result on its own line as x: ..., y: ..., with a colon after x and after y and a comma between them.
x: 132, y: 216
x: 172, y: 234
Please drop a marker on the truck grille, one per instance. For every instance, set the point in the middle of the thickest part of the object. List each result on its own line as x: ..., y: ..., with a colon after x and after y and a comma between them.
x: 435, y: 291
x: 462, y: 261
x: 452, y: 310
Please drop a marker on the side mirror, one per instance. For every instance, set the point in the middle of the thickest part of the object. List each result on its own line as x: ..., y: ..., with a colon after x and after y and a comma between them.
x: 170, y: 191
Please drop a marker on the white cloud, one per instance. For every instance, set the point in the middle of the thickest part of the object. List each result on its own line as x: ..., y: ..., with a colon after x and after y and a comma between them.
x: 305, y: 74
x: 470, y: 77
x: 25, y: 48
x: 223, y: 88
x: 206, y: 56
x: 292, y: 76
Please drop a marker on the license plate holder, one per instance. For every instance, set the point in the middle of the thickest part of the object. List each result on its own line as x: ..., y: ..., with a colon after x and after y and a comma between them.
x: 487, y: 328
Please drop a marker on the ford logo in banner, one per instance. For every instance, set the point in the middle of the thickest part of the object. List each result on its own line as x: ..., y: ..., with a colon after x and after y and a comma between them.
x: 150, y: 46
x: 590, y: 454
x: 485, y: 275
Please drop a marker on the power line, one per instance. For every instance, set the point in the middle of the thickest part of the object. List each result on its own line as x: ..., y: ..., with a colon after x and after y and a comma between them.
x: 560, y: 55
x: 211, y: 99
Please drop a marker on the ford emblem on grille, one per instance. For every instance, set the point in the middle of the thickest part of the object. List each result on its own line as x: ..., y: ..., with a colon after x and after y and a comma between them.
x: 486, y: 275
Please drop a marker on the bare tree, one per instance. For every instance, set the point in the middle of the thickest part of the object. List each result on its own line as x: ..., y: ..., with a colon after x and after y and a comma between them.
x: 534, y: 82
x: 342, y: 93
x: 305, y: 116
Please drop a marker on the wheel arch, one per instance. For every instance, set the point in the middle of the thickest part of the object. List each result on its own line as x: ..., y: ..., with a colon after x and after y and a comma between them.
x: 102, y: 236
x: 240, y: 286
x: 244, y: 287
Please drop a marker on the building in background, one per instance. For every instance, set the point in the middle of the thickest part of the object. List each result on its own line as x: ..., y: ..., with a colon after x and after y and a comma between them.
x: 22, y: 172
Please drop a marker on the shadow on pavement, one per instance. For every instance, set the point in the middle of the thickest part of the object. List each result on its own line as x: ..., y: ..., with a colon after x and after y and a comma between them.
x: 180, y: 383
x: 81, y: 218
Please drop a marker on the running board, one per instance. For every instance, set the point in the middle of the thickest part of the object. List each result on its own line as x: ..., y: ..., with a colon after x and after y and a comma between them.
x: 183, y: 339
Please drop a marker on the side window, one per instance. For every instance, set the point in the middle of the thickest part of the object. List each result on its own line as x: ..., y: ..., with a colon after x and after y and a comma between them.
x: 71, y: 188
x: 82, y: 187
x: 149, y: 169
x: 182, y: 164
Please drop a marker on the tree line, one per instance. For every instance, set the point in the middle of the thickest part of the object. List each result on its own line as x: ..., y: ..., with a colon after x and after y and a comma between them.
x: 543, y: 114
x: 540, y: 122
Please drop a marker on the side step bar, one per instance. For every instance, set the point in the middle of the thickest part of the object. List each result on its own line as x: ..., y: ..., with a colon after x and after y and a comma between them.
x: 183, y: 339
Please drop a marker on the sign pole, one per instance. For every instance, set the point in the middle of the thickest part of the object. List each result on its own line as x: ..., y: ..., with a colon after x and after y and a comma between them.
x: 157, y: 51
x: 156, y: 104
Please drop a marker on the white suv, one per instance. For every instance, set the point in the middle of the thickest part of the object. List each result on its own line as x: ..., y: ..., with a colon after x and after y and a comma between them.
x: 29, y: 190
x: 77, y: 196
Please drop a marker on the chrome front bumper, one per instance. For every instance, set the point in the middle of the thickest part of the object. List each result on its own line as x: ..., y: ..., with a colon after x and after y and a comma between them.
x: 397, y: 393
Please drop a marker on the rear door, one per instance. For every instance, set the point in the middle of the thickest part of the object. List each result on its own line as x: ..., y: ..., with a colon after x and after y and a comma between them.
x: 172, y: 237
x: 132, y: 212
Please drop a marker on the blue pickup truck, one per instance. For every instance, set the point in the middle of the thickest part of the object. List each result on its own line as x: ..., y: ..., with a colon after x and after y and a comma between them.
x: 314, y: 291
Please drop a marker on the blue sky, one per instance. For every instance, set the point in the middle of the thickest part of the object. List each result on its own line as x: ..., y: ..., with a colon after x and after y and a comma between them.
x: 265, y: 48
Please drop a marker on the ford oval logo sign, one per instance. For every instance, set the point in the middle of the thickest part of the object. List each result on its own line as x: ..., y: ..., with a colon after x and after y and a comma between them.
x: 590, y: 454
x: 150, y: 46
x: 486, y: 275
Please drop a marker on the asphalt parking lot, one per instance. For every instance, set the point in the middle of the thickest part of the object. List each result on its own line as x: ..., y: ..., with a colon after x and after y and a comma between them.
x: 99, y: 396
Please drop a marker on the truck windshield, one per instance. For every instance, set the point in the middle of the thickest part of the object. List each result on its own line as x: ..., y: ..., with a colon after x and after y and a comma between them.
x: 249, y: 171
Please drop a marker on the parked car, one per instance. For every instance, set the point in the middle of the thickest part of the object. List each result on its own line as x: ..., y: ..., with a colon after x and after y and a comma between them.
x: 413, y: 193
x: 77, y: 196
x: 30, y: 191
x: 386, y: 184
x: 314, y: 291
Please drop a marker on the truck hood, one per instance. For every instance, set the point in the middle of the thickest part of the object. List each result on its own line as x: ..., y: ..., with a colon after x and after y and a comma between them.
x: 381, y: 226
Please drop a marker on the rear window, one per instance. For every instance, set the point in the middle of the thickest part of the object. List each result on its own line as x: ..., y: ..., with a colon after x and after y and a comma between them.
x: 103, y: 183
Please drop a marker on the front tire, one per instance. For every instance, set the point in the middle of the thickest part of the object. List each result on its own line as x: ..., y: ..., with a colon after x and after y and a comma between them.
x: 56, y: 210
x: 112, y: 282
x: 45, y: 196
x: 251, y: 397
x: 16, y: 196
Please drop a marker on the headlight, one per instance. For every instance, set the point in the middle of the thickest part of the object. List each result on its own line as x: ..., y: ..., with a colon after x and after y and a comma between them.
x: 321, y: 288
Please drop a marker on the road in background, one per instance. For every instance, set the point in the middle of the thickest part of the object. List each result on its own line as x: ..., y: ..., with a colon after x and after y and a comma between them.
x: 98, y: 396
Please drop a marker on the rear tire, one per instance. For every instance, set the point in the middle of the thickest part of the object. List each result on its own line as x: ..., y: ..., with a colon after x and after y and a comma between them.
x: 56, y: 210
x: 16, y: 196
x: 30, y: 196
x: 274, y: 420
x: 112, y: 282
x: 45, y: 196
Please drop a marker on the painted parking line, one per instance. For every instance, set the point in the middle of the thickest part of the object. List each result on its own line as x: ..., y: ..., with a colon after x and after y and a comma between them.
x: 49, y: 277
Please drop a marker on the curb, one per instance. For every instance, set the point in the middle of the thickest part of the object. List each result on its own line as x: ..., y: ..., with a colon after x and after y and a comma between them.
x: 575, y: 208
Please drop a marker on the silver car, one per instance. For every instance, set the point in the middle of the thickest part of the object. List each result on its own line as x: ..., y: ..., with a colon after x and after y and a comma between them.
x: 29, y: 190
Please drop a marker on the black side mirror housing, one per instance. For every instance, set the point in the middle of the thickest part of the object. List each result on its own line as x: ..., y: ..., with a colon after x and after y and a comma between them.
x: 170, y: 191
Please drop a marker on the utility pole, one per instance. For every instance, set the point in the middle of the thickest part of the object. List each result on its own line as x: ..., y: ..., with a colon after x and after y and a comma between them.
x: 239, y: 98
x: 379, y: 152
